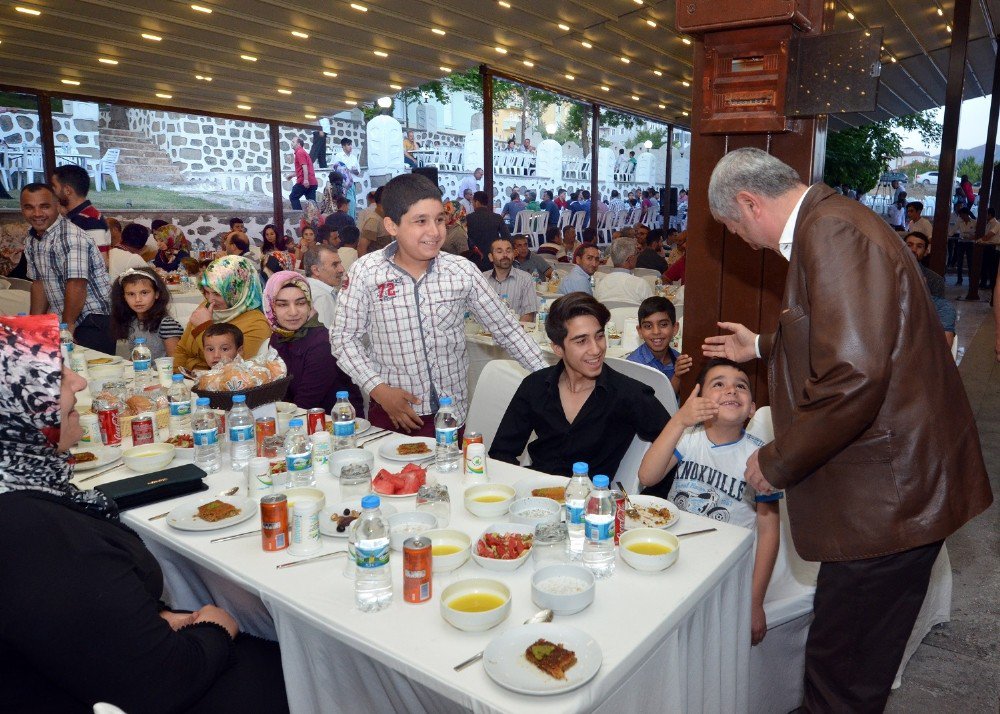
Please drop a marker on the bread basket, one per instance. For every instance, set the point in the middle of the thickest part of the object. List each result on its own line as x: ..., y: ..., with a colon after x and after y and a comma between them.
x: 256, y: 396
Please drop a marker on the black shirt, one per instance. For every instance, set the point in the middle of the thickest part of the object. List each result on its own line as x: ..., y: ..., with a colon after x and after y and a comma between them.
x: 649, y: 258
x: 619, y: 408
x: 483, y: 225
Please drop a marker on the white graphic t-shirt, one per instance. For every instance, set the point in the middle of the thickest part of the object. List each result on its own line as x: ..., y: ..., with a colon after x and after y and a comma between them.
x: 709, y: 479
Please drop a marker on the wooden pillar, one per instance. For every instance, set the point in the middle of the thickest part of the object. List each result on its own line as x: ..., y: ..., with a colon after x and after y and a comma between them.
x: 487, y: 78
x: 274, y: 133
x: 47, y: 136
x: 949, y: 134
x: 595, y: 145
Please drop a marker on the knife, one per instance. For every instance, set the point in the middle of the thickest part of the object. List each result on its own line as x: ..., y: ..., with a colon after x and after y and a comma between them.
x: 101, y: 472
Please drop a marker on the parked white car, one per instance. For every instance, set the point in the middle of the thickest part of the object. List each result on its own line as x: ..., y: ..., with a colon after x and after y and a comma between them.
x: 929, y: 178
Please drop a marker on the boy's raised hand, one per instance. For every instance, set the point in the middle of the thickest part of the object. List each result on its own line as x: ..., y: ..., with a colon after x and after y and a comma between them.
x: 683, y: 365
x: 697, y: 409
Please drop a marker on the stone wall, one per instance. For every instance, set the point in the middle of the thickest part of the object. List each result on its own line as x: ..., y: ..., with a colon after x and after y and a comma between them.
x: 75, y: 128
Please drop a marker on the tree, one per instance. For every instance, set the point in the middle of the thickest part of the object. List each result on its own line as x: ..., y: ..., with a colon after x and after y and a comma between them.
x: 657, y: 136
x: 858, y: 156
x: 970, y: 167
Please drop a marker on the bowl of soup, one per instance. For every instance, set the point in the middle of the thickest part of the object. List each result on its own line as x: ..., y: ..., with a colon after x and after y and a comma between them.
x: 449, y: 549
x: 475, y: 605
x: 649, y: 549
x: 488, y: 500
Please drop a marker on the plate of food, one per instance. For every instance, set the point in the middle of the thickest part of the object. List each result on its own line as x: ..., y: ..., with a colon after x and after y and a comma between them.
x: 553, y: 487
x: 183, y: 444
x: 334, y: 520
x: 103, y: 360
x: 504, y: 547
x: 542, y: 659
x: 212, y: 513
x: 87, y: 457
x: 650, y: 512
x: 400, y: 484
x: 407, y: 448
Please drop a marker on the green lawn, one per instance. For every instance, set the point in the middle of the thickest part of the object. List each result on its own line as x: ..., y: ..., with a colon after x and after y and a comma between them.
x: 138, y: 198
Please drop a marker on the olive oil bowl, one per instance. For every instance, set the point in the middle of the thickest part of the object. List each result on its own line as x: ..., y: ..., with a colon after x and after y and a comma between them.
x: 449, y: 549
x: 488, y: 500
x: 475, y: 605
x: 649, y: 549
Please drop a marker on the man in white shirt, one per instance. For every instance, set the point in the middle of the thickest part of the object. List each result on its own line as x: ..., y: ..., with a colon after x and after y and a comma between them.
x: 325, y: 272
x: 620, y: 283
x: 348, y: 158
x: 915, y: 222
x: 470, y: 183
x: 515, y: 287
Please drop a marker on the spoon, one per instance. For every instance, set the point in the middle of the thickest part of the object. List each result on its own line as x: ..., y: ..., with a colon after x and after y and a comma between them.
x: 230, y: 492
x: 540, y: 616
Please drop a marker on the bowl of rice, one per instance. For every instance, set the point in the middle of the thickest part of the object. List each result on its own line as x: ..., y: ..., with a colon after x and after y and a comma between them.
x: 534, y: 510
x: 564, y: 588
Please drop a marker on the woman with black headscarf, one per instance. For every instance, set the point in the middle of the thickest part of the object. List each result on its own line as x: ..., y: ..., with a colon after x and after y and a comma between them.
x: 80, y: 616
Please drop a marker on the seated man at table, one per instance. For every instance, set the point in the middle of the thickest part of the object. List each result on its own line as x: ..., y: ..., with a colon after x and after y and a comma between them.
x: 652, y: 255
x: 580, y: 409
x: 529, y: 262
x: 707, y: 439
x: 515, y: 287
x: 621, y: 284
x: 586, y: 258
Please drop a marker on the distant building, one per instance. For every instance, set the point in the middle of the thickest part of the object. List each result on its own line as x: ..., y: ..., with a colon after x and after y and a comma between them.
x: 911, y: 156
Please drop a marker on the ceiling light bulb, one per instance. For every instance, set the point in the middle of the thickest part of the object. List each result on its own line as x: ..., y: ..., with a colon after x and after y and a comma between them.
x: 662, y: 106
x: 380, y: 53
x: 202, y: 8
x: 501, y: 3
x: 351, y: 102
x: 310, y: 116
x: 285, y: 91
x: 948, y: 28
x: 397, y: 87
x: 650, y: 23
x: 501, y: 50
x: 638, y: 2
x: 940, y: 12
x: 684, y: 113
x: 106, y: 60
x: 29, y: 11
x: 686, y: 40
x: 203, y: 78
x: 529, y: 63
x: 385, y: 102
x: 359, y: 7
x: 154, y: 38
x: 70, y: 81
x: 327, y: 73
x: 685, y: 83
x: 564, y: 27
x: 586, y: 44
x: 438, y: 31
x: 658, y: 73
x: 301, y: 35
x: 244, y: 107
x: 444, y: 69
x: 626, y: 60
x: 248, y: 58
x: 164, y: 95
x: 892, y: 59
x: 850, y: 15
x: 605, y: 88
x: 635, y: 98
x: 570, y: 77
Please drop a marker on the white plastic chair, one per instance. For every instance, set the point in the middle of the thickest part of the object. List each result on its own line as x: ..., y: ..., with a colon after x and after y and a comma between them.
x: 577, y: 221
x: 495, y: 388
x: 646, y: 272
x: 604, y: 228
x: 107, y: 165
x: 631, y: 307
x: 537, y: 227
x: 522, y: 222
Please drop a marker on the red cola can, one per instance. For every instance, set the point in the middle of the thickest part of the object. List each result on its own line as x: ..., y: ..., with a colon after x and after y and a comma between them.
x: 111, y: 430
x: 274, y: 521
x: 263, y: 428
x: 143, y: 429
x: 417, y: 569
x: 619, y: 498
x: 317, y: 420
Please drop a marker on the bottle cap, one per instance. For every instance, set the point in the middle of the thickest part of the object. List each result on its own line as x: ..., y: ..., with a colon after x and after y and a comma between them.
x: 294, y: 423
x: 370, y: 501
x: 600, y: 481
x: 239, y: 398
x: 178, y: 378
x: 140, y: 340
x: 202, y: 401
x: 63, y: 326
x: 445, y: 401
x: 341, y: 395
x: 580, y: 467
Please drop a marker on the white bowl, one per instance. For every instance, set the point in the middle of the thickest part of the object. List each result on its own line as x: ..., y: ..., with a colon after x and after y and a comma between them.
x: 566, y: 603
x: 339, y: 459
x: 496, y: 564
x: 475, y: 621
x: 448, y: 537
x: 149, y: 457
x: 490, y: 508
x: 409, y: 525
x: 654, y: 536
x: 299, y: 493
x: 534, y: 510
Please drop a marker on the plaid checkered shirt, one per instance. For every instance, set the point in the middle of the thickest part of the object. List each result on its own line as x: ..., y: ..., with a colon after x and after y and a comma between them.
x: 62, y: 253
x: 417, y: 328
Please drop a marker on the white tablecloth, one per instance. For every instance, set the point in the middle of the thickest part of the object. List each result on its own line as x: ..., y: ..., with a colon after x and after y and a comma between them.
x: 674, y: 641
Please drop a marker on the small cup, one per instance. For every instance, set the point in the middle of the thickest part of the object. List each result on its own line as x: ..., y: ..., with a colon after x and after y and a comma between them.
x: 355, y: 481
x: 165, y: 370
x: 91, y: 429
x: 258, y: 477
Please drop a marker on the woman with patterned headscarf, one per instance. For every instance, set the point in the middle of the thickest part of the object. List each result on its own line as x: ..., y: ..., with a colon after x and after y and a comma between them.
x: 456, y: 239
x: 173, y: 247
x: 80, y: 607
x: 231, y: 286
x: 303, y: 342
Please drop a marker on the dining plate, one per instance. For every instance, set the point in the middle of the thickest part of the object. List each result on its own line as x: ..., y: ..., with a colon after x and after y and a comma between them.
x: 524, y: 487
x: 102, y: 360
x: 329, y: 527
x: 185, y: 516
x: 506, y: 662
x: 389, y: 449
x: 105, y: 455
x: 361, y: 426
x: 649, y: 520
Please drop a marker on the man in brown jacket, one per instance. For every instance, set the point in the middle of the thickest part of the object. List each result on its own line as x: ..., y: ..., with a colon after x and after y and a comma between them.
x: 879, y: 463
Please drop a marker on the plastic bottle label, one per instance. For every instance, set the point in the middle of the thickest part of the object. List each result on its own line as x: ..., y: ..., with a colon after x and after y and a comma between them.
x: 372, y: 554
x: 574, y: 515
x: 140, y: 365
x: 180, y: 409
x: 343, y: 428
x: 241, y: 433
x: 299, y: 462
x: 206, y: 437
x: 599, y: 531
x: 446, y: 437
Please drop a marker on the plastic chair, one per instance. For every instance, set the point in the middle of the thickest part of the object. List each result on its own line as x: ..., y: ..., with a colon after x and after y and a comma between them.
x: 631, y: 307
x: 564, y: 218
x: 495, y: 388
x: 646, y: 272
x: 4, y: 284
x: 577, y: 221
x: 107, y: 165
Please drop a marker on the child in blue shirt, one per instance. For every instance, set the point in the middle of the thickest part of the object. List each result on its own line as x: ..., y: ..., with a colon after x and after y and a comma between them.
x: 657, y: 327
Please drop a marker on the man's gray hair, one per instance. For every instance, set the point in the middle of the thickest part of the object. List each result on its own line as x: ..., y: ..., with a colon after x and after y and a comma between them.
x: 750, y: 170
x: 312, y: 257
x: 622, y: 249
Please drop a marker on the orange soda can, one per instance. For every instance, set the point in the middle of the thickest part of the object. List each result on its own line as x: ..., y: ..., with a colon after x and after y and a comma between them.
x: 274, y: 521
x: 417, y: 569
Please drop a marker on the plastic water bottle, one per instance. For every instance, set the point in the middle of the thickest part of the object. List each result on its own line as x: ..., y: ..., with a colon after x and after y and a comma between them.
x: 65, y: 344
x: 577, y: 491
x: 207, y: 449
x: 298, y: 456
x: 179, y: 398
x: 372, y: 580
x: 447, y: 454
x: 543, y: 315
x: 599, y: 530
x: 344, y: 423
x: 142, y: 363
x: 242, y: 441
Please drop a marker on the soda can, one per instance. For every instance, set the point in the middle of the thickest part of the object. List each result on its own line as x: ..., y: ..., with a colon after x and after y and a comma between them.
x: 417, y: 569
x: 263, y: 428
x: 471, y: 437
x: 619, y: 497
x: 274, y: 521
x: 110, y: 426
x: 316, y: 420
x: 143, y: 429
x: 91, y: 429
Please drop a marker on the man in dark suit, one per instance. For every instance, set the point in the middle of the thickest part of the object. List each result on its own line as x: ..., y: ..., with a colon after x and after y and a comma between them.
x: 483, y: 227
x: 879, y: 464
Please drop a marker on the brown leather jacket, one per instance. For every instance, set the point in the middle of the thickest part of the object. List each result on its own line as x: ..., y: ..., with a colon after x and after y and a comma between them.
x: 875, y: 441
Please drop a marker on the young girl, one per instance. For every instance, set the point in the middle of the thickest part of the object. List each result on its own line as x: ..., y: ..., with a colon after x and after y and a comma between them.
x: 139, y: 300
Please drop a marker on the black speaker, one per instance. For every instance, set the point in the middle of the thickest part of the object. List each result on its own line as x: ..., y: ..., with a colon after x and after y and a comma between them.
x: 430, y: 172
x: 673, y: 202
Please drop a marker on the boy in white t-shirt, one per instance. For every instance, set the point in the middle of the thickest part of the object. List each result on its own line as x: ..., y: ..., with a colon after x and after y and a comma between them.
x: 705, y: 438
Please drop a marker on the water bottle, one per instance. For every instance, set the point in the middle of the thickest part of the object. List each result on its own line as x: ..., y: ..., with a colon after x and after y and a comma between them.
x: 142, y: 363
x: 207, y: 449
x: 599, y: 530
x: 543, y: 315
x: 343, y: 418
x: 577, y: 491
x: 298, y: 456
x: 65, y: 344
x: 372, y: 580
x: 242, y: 440
x: 179, y: 398
x: 447, y: 454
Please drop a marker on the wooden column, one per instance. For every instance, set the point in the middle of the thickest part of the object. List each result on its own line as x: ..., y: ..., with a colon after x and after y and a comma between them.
x: 274, y: 133
x: 487, y: 78
x: 595, y: 145
x: 47, y: 137
x: 949, y: 134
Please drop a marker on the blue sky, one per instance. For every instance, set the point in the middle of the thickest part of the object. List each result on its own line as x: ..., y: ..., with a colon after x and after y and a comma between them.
x: 971, y: 126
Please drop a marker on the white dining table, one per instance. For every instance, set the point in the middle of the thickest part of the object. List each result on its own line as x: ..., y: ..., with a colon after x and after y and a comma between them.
x: 673, y: 641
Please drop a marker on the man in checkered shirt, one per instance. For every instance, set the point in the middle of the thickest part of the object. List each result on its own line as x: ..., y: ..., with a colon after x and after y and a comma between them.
x: 69, y: 274
x: 410, y: 300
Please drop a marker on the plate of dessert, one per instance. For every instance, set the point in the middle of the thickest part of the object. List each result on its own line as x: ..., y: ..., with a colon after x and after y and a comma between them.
x: 407, y: 448
x: 212, y: 513
x: 542, y: 659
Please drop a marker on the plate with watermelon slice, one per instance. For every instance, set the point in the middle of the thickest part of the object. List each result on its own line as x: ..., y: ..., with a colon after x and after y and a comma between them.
x: 402, y: 484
